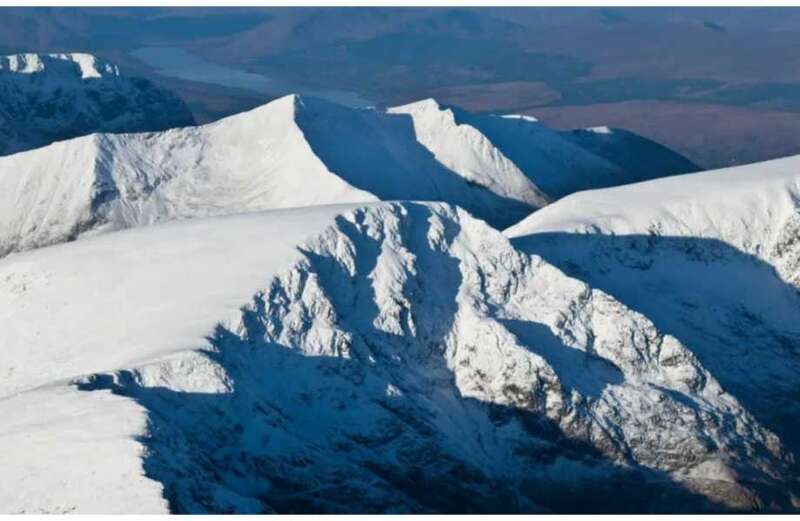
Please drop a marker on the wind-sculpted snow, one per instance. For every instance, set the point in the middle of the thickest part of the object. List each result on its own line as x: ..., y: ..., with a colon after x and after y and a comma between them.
x: 405, y: 358
x: 711, y: 259
x: 65, y: 452
x: 63, y: 306
x: 292, y: 152
x: 51, y: 97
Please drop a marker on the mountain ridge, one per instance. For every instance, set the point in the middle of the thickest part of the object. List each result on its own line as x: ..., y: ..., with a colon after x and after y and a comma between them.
x: 294, y: 151
x: 711, y: 258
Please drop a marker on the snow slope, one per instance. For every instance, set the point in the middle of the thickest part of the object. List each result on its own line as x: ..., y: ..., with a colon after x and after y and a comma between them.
x: 126, y: 271
x: 640, y: 158
x: 711, y: 258
x: 291, y: 152
x: 65, y: 452
x: 754, y: 208
x: 51, y: 97
x: 257, y: 160
x: 395, y: 357
x: 555, y: 162
x: 388, y: 155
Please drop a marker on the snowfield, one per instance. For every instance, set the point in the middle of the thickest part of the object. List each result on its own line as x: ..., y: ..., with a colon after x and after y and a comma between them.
x: 207, y: 269
x: 400, y: 357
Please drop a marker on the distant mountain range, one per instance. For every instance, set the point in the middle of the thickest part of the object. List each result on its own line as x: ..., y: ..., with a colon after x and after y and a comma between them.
x: 724, y: 91
x: 47, y: 98
x: 298, y: 151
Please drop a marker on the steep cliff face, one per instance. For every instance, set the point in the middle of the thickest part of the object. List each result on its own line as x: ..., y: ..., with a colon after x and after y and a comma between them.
x: 52, y: 97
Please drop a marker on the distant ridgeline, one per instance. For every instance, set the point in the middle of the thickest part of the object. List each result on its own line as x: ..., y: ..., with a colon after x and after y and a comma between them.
x: 296, y: 151
x: 47, y: 98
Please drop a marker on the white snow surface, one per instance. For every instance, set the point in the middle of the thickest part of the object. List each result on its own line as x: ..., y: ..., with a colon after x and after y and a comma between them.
x: 102, y: 182
x: 751, y: 207
x: 203, y: 270
x: 694, y: 204
x: 711, y: 258
x: 291, y: 152
x: 84, y: 65
x: 600, y: 130
x: 69, y: 453
x: 116, y: 301
x: 490, y: 149
x: 389, y: 357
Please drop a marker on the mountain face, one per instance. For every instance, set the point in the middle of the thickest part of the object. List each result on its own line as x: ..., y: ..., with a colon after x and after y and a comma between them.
x: 295, y: 152
x: 713, y: 259
x: 394, y: 357
x: 561, y: 163
x: 52, y: 97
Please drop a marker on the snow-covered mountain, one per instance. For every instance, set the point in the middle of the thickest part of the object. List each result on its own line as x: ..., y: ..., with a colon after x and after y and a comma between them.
x: 712, y: 259
x: 240, y: 343
x: 51, y: 97
x: 395, y: 357
x: 293, y: 152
